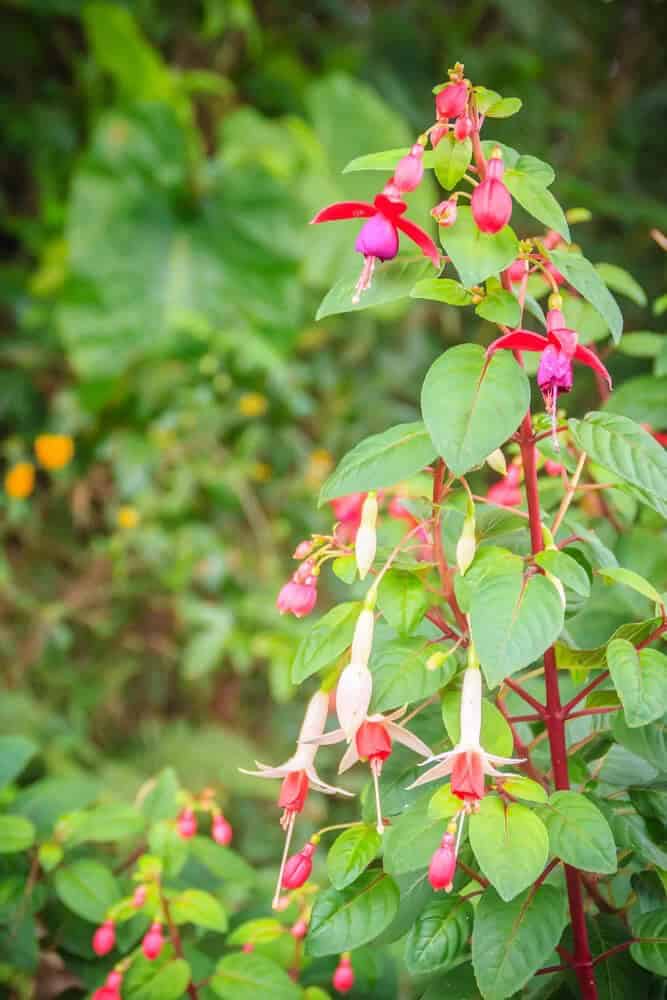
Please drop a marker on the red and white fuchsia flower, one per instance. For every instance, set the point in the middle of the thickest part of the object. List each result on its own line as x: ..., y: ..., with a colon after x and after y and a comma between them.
x: 491, y: 201
x: 468, y: 763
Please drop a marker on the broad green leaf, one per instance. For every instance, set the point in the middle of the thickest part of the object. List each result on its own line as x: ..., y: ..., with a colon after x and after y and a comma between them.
x: 496, y: 733
x: 15, y: 752
x: 459, y: 983
x: 476, y: 255
x: 446, y: 290
x: 392, y: 280
x: 345, y: 568
x: 45, y: 801
x: 510, y: 941
x: 327, y: 639
x: 386, y: 160
x: 262, y: 930
x: 525, y: 788
x: 87, y: 888
x: 504, y: 108
x: 642, y: 344
x: 167, y: 983
x: 470, y: 409
x: 579, y: 833
x: 439, y: 936
x: 412, y: 838
x: 342, y: 921
x: 567, y: 569
x: 485, y: 98
x: 105, y: 823
x: 403, y: 600
x: 194, y: 906
x: 451, y: 159
x: 247, y: 977
x: 222, y: 861
x: 617, y: 977
x: 595, y: 659
x: 628, y: 577
x: 650, y: 802
x: 501, y: 307
x: 581, y: 274
x: 400, y: 675
x: 510, y: 843
x: 619, y: 280
x: 381, y: 460
x: 628, y: 451
x: 513, y: 621
x: 649, y: 742
x: 650, y: 951
x: 162, y: 798
x: 16, y: 834
x: 640, y: 677
x: 643, y: 398
x: 443, y: 803
x: 351, y: 853
x: 537, y: 200
x: 121, y: 50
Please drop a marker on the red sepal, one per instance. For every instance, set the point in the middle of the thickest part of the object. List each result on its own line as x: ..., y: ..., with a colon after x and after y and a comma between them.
x: 422, y: 239
x: 345, y: 210
x: 518, y: 340
x: 590, y: 358
x: 388, y: 207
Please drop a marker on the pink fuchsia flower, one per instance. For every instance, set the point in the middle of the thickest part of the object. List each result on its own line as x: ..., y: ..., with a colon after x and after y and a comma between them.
x: 491, y: 202
x: 410, y: 170
x: 443, y: 863
x: 104, y: 938
x: 378, y: 237
x: 446, y: 212
x: 558, y: 349
x: 468, y: 762
x: 343, y: 977
x: 297, y: 869
x: 153, y: 942
x: 299, y: 595
x: 451, y: 101
x: 463, y: 128
x: 506, y: 492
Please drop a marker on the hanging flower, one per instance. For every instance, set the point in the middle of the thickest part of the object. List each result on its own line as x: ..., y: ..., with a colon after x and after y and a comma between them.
x: 104, y: 938
x: 378, y: 237
x: 153, y: 942
x: 299, y: 595
x: 451, y: 101
x: 343, y: 977
x: 491, y: 202
x: 410, y: 170
x: 347, y: 511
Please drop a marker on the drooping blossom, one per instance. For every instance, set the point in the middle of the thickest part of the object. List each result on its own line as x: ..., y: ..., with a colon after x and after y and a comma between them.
x: 559, y: 349
x: 299, y: 595
x: 443, y: 863
x: 296, y: 870
x: 507, y: 492
x: 468, y: 762
x: 446, y: 212
x: 451, y: 101
x: 410, y: 170
x: 104, y: 938
x: 365, y: 543
x: 343, y: 977
x: 516, y: 271
x: 153, y: 941
x: 347, y: 511
x: 139, y: 897
x: 463, y: 128
x: 491, y: 202
x: 378, y: 237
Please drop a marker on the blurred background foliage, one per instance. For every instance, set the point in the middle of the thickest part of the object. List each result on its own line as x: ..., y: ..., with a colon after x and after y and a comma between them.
x: 158, y: 292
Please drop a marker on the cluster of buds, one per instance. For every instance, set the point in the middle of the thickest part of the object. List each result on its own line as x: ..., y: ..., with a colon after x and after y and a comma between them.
x: 451, y: 103
x: 221, y: 829
x: 111, y: 988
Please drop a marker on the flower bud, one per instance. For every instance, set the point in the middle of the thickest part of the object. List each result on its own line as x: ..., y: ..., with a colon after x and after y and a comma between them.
x: 299, y: 930
x: 437, y: 133
x: 187, y: 824
x: 104, y: 938
x: 463, y: 127
x: 410, y: 169
x: 491, y: 201
x: 445, y: 212
x: 139, y: 897
x: 467, y: 543
x: 450, y: 102
x: 443, y: 864
x: 153, y: 942
x: 362, y: 640
x: 298, y: 596
x: 303, y: 549
x: 298, y: 868
x: 516, y: 271
x: 343, y: 977
x: 248, y: 948
x: 221, y: 830
x: 366, y: 541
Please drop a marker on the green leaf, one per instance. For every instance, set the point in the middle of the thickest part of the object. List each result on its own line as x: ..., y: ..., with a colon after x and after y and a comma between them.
x: 15, y: 752
x: 444, y: 803
x: 351, y: 853
x: 459, y: 983
x: 651, y: 949
x: 194, y: 906
x: 581, y: 274
x: 87, y: 888
x: 476, y: 255
x: 263, y: 930
x: 510, y: 941
x: 122, y: 51
x: 222, y: 861
x: 412, y: 838
x: 619, y: 280
x: 403, y: 600
x: 513, y: 620
x: 451, y: 160
x: 537, y: 200
x: 380, y: 460
x: 342, y: 921
x: 628, y: 577
x: 579, y: 833
x: 392, y: 280
x: 643, y: 398
x: 400, y: 675
x: 628, y: 451
x: 510, y: 843
x: 501, y: 307
x: 642, y: 344
x: 386, y: 160
x: 470, y: 409
x: 504, y: 108
x: 16, y: 834
x: 169, y: 982
x: 525, y: 788
x: 567, y: 569
x: 105, y: 823
x: 327, y: 639
x: 345, y: 568
x: 45, y: 801
x: 594, y: 659
x: 446, y: 290
x: 439, y: 936
x: 247, y: 977
x: 162, y: 798
x: 496, y: 734
x: 649, y: 742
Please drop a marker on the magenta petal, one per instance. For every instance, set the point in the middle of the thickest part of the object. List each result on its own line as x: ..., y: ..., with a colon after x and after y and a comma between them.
x: 555, y: 371
x: 344, y: 210
x: 378, y: 238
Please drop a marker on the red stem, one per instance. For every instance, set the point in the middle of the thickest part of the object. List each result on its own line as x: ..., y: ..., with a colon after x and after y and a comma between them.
x: 175, y: 937
x: 612, y: 951
x: 521, y: 691
x: 601, y: 710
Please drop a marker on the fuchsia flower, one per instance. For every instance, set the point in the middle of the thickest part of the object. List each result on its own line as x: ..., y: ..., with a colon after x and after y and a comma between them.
x: 153, y: 942
x: 410, y: 170
x: 451, y: 101
x: 343, y: 977
x: 378, y: 237
x: 559, y: 349
x: 443, y: 863
x: 299, y: 595
x: 491, y: 201
x: 445, y: 212
x: 104, y: 938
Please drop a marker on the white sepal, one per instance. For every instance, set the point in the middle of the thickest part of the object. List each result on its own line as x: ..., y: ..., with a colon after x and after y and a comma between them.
x: 353, y: 696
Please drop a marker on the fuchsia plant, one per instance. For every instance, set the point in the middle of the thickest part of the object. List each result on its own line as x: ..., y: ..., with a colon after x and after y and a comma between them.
x: 467, y: 610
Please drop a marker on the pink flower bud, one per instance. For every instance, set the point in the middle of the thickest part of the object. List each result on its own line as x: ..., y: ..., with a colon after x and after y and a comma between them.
x: 437, y: 134
x: 114, y: 979
x: 153, y: 942
x: 221, y: 830
x: 298, y: 868
x: 451, y: 101
x: 139, y: 897
x: 298, y: 598
x: 299, y: 930
x: 410, y: 169
x: 557, y: 276
x: 281, y: 904
x: 445, y: 212
x: 463, y: 127
x: 516, y: 271
x: 343, y: 977
x: 553, y: 468
x: 378, y: 237
x: 187, y: 824
x: 491, y: 201
x: 443, y: 864
x: 552, y: 240
x: 104, y: 938
x: 303, y: 549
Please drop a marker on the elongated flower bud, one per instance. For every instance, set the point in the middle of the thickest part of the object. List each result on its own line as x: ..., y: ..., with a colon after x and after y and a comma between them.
x: 450, y: 102
x: 362, y: 640
x: 187, y: 824
x: 153, y: 942
x: 463, y: 127
x: 221, y: 830
x: 366, y: 541
x: 467, y: 543
x: 104, y: 938
x: 491, y: 201
x: 353, y: 696
x: 298, y: 868
x: 443, y: 864
x: 343, y: 977
x: 410, y: 169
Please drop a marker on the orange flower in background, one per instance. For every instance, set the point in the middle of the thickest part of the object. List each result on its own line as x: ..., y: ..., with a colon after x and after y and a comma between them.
x: 127, y: 517
x: 20, y: 480
x: 54, y: 451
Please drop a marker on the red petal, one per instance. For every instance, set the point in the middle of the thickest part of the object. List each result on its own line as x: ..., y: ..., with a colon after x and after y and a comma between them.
x: 422, y: 239
x: 590, y: 358
x: 518, y: 340
x: 345, y: 210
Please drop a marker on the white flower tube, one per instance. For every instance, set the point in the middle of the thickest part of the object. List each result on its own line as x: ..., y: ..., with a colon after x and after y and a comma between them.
x: 362, y: 640
x: 365, y: 544
x: 353, y: 696
x: 471, y: 708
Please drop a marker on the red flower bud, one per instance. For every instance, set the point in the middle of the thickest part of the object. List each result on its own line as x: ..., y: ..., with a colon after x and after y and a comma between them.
x: 221, y: 831
x: 463, y: 127
x: 516, y: 271
x: 343, y: 977
x: 410, y: 170
x: 187, y: 824
x: 451, y: 101
x: 139, y: 897
x: 373, y: 741
x: 104, y: 938
x: 248, y: 947
x: 443, y: 864
x: 445, y: 212
x: 299, y: 930
x: 298, y: 868
x: 437, y: 134
x: 491, y: 201
x: 153, y: 942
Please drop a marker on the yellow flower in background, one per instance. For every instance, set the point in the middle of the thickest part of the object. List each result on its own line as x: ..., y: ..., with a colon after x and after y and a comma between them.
x: 54, y: 451
x: 320, y: 463
x: 253, y: 404
x: 127, y: 517
x: 20, y: 480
